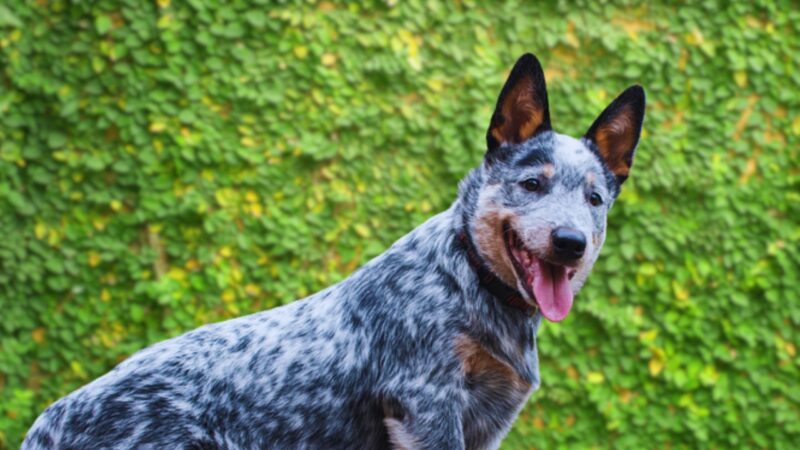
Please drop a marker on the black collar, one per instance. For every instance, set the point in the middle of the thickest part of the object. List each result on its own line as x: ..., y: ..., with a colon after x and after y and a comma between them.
x: 500, y: 290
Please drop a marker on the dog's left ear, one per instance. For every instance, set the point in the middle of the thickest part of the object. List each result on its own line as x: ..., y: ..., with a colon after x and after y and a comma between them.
x: 616, y: 131
x: 521, y: 110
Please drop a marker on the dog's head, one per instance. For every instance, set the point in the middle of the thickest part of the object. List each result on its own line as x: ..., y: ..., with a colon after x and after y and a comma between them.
x: 539, y: 216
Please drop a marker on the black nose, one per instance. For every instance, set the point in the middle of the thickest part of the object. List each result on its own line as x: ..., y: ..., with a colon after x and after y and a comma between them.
x: 568, y: 243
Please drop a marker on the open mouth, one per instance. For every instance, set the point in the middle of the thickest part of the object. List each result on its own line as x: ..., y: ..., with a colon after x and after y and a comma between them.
x: 544, y: 281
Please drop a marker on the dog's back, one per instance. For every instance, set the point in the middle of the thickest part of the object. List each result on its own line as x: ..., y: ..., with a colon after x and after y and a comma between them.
x: 253, y: 382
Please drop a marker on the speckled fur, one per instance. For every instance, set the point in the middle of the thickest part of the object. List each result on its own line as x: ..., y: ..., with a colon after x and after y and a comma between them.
x: 408, y: 352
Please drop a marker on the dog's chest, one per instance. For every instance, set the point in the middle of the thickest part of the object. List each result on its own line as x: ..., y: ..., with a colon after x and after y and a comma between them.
x: 495, y: 392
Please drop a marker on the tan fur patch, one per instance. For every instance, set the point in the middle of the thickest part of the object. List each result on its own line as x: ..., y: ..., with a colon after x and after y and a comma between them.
x: 477, y: 360
x: 548, y: 170
x: 488, y: 236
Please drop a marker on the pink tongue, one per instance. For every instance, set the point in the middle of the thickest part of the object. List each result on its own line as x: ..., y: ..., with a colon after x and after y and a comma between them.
x: 551, y: 288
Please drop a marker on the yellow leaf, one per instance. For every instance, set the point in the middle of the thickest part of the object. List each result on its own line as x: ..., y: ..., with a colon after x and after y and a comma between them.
x: 94, y: 258
x: 572, y: 373
x: 655, y: 366
x: 53, y: 237
x: 571, y: 38
x: 600, y: 94
x: 683, y: 59
x: 176, y: 273
x: 709, y: 376
x: 77, y: 369
x: 681, y: 294
x: 740, y: 77
x: 105, y: 295
x: 38, y: 335
x: 192, y: 264
x: 40, y: 230
x: 328, y: 59
x: 625, y: 395
x: 362, y: 230
x: 425, y: 206
x: 301, y: 52
x: 435, y: 84
x: 228, y: 296
x: 695, y: 38
x: 647, y: 337
x: 252, y: 289
x: 157, y: 127
x: 116, y: 205
x: 164, y: 21
x: 796, y: 125
x: 595, y: 377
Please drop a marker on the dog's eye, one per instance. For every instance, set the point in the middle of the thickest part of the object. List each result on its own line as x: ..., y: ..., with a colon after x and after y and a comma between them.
x: 532, y: 184
x: 595, y: 199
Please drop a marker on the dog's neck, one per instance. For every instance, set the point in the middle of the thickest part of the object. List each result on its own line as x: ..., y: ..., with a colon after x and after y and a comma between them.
x: 434, y: 248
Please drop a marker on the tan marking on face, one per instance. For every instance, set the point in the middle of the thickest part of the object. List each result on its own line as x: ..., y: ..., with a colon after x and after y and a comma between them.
x: 487, y: 234
x: 548, y: 170
x: 477, y: 361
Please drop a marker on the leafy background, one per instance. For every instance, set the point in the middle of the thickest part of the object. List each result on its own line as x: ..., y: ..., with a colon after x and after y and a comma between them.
x: 169, y: 164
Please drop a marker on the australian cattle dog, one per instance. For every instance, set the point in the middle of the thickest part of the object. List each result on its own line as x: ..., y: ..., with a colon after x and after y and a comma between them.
x: 431, y: 345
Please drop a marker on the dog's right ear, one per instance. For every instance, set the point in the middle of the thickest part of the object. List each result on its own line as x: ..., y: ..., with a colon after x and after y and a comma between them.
x: 522, y: 111
x: 616, y: 132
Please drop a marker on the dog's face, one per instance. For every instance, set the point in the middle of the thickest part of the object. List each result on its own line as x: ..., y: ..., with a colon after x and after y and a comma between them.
x: 540, y: 217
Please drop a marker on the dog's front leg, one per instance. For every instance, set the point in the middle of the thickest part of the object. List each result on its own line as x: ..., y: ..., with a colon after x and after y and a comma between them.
x: 429, y: 425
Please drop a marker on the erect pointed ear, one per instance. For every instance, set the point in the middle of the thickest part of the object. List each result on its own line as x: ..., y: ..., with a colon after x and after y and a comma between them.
x: 616, y: 131
x: 521, y: 110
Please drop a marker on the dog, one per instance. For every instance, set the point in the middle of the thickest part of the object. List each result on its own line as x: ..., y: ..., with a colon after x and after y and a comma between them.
x: 431, y: 345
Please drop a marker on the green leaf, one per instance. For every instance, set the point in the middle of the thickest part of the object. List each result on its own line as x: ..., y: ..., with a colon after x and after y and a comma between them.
x: 102, y: 24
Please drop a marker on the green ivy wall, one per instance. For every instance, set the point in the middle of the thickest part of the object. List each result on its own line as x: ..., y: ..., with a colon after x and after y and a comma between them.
x: 166, y: 164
